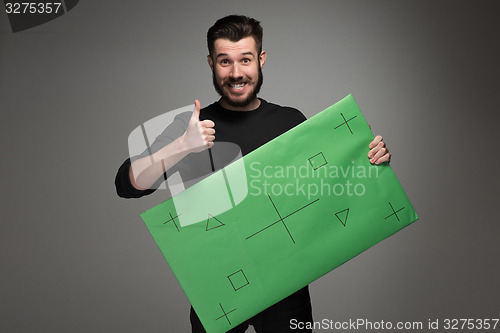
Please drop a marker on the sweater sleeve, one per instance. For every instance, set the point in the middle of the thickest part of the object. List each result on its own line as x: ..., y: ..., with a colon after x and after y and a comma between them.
x: 124, y: 187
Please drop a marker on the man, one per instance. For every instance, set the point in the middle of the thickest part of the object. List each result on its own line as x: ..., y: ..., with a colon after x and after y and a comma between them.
x: 236, y: 59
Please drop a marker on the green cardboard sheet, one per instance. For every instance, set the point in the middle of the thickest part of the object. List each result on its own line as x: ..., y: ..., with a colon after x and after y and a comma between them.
x: 279, y: 218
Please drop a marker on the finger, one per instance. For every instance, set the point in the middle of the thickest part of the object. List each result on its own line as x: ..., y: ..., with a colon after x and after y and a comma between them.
x: 196, y: 111
x: 376, y: 149
x: 207, y: 123
x: 210, y: 144
x: 375, y: 142
x: 210, y: 137
x: 378, y: 155
x: 209, y: 131
x: 385, y: 158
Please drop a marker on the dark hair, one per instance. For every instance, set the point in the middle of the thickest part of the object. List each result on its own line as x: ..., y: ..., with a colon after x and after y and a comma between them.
x: 234, y: 28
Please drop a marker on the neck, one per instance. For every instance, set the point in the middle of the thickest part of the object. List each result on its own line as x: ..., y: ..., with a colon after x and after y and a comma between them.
x: 254, y: 104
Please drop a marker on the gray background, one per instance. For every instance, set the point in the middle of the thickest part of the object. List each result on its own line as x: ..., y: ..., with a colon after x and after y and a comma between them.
x: 77, y: 258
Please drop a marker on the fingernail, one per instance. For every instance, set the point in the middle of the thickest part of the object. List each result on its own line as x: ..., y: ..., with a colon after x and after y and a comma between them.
x: 372, y: 160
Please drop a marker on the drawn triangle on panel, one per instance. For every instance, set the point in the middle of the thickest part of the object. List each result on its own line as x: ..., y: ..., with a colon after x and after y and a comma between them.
x: 213, y: 222
x: 342, y: 216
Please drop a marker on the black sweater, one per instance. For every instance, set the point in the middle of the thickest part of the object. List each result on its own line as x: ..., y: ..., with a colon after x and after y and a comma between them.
x: 236, y: 133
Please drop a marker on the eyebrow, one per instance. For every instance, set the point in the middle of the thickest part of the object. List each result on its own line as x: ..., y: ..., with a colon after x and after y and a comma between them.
x: 225, y: 54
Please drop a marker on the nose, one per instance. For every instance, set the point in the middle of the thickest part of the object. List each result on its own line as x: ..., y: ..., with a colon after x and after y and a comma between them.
x: 236, y: 71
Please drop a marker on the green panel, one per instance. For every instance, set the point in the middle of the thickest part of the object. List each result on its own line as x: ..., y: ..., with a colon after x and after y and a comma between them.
x: 314, y: 201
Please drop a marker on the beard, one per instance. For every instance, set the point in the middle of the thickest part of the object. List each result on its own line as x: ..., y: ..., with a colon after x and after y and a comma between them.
x: 235, y: 103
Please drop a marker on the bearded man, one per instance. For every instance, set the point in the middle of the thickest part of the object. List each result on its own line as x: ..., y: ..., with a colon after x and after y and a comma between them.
x: 236, y: 59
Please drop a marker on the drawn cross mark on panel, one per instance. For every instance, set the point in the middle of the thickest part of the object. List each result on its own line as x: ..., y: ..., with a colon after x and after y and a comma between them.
x: 238, y: 280
x: 346, y: 122
x: 344, y: 220
x: 172, y: 219
x: 394, y: 212
x: 282, y: 219
x: 211, y: 224
x: 225, y: 314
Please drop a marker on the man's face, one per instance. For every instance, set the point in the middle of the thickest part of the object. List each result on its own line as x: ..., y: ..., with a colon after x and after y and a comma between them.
x: 236, y: 68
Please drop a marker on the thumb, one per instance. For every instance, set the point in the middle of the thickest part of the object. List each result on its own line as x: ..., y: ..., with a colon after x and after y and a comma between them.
x: 196, y: 111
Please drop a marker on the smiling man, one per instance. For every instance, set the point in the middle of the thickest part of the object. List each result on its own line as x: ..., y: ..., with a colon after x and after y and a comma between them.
x: 239, y: 116
x: 237, y: 72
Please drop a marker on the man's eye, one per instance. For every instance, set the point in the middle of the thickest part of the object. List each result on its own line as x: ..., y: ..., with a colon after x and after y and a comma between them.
x: 246, y: 61
x: 224, y: 62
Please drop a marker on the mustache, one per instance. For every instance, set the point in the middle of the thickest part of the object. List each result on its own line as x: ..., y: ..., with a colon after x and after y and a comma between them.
x: 235, y: 81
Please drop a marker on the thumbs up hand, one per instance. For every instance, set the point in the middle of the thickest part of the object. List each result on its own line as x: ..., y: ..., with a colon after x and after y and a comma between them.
x: 199, y: 135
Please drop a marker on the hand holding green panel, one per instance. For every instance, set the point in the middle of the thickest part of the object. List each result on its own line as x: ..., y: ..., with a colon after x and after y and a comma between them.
x: 314, y: 201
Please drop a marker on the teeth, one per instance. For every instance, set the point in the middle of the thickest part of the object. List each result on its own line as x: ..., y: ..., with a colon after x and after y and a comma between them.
x: 237, y: 86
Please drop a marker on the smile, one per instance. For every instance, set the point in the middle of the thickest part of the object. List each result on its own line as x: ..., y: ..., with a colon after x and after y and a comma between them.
x: 237, y: 85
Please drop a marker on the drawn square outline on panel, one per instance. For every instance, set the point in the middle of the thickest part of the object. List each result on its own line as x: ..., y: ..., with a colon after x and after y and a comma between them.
x: 238, y: 280
x: 318, y: 161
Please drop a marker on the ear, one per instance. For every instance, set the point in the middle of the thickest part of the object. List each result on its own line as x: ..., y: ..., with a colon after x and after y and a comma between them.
x: 210, y: 62
x: 262, y: 58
